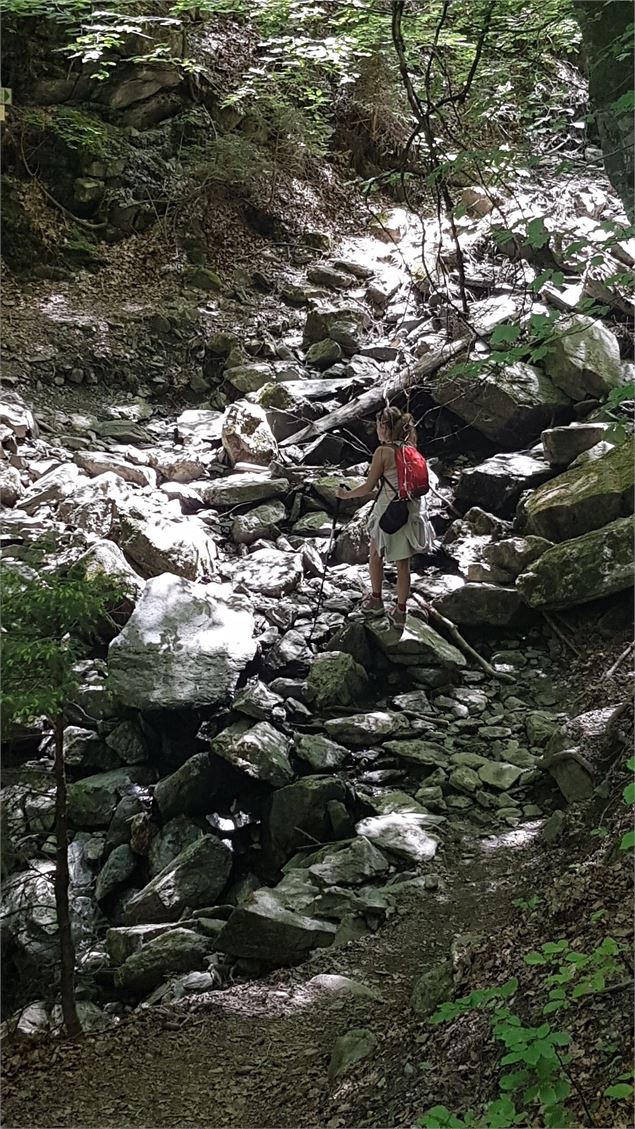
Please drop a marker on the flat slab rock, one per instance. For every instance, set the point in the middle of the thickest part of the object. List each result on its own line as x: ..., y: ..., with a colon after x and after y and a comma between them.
x: 402, y: 834
x: 417, y: 645
x: 184, y: 645
x: 366, y: 728
x: 263, y: 930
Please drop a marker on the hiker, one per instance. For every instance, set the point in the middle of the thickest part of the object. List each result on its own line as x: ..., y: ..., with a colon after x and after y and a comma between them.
x: 398, y: 441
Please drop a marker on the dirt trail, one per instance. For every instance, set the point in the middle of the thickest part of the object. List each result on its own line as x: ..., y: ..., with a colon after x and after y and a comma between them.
x: 256, y: 1054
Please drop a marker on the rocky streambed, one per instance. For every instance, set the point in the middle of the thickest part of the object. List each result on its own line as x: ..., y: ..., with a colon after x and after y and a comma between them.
x: 251, y: 776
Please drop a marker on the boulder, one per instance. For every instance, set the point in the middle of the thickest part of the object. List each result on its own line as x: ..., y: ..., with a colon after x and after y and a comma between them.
x: 313, y: 524
x: 342, y: 325
x: 361, y: 862
x: 299, y: 813
x: 584, y: 498
x: 184, y: 645
x: 256, y: 700
x: 97, y: 505
x: 11, y: 488
x: 125, y: 940
x: 261, y: 522
x: 540, y: 725
x: 417, y: 645
x: 366, y: 729
x: 324, y: 275
x: 240, y: 488
x: 352, y: 545
x: 323, y: 354
x: 171, y: 841
x: 52, y: 487
x: 270, y: 572
x: 159, y: 545
x: 349, y: 1049
x: 318, y: 752
x: 263, y: 930
x: 326, y: 488
x: 116, y: 871
x: 179, y: 950
x: 193, y: 879
x: 128, y: 742
x: 402, y: 834
x: 188, y: 790
x: 584, y: 359
x: 512, y: 555
x: 260, y: 751
x: 102, y: 462
x: 92, y: 801
x: 562, y: 445
x: 475, y: 604
x: 249, y: 377
x: 585, y: 568
x: 433, y: 988
x: 509, y: 405
x: 499, y: 776
x: 577, y: 747
x: 418, y: 752
x: 335, y: 679
x: 247, y: 436
x: 497, y: 483
x: 104, y: 558
x: 200, y: 424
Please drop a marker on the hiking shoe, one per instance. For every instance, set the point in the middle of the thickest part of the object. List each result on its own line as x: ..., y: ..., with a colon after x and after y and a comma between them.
x: 396, y: 617
x: 372, y: 605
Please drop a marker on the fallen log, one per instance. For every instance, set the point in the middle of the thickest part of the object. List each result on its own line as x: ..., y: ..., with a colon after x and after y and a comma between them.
x: 374, y: 397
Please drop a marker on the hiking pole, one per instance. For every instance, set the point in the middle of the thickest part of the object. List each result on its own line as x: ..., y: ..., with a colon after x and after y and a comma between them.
x: 329, y: 550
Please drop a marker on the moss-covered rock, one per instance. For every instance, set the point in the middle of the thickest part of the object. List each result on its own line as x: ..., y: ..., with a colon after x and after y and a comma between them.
x: 584, y: 498
x: 335, y: 679
x: 599, y: 563
x: 584, y: 359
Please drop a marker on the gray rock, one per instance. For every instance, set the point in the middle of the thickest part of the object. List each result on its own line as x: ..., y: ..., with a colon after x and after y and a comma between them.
x: 514, y: 554
x: 103, y: 462
x: 249, y: 377
x: 417, y: 751
x: 179, y: 950
x: 97, y: 505
x: 184, y: 645
x: 324, y: 275
x: 319, y: 752
x: 238, y: 489
x: 353, y: 544
x: 349, y: 1049
x: 314, y: 524
x: 263, y: 930
x: 323, y: 354
x: 85, y: 749
x: 119, y: 828
x: 402, y: 834
x: 432, y: 989
x: 247, y: 436
x: 595, y: 565
x: 92, y: 801
x: 162, y: 545
x: 104, y: 558
x: 125, y: 940
x: 417, y: 645
x: 118, y: 868
x: 540, y: 726
x: 554, y: 827
x: 188, y: 790
x: 361, y: 862
x: 562, y: 445
x: 52, y: 487
x: 475, y: 604
x: 335, y: 679
x: 260, y: 751
x: 500, y: 776
x: 415, y: 703
x: 261, y: 522
x: 11, y: 488
x: 257, y: 701
x: 270, y: 572
x: 366, y: 728
x: 172, y: 840
x: 200, y: 424
x: 334, y: 986
x: 128, y: 742
x: 299, y: 813
x: 464, y: 779
x: 497, y: 483
x: 509, y: 405
x: 194, y: 878
x: 341, y: 325
x: 584, y: 358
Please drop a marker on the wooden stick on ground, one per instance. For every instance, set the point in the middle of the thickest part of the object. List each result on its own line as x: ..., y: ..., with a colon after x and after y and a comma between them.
x: 618, y: 662
x: 557, y: 630
x: 453, y: 631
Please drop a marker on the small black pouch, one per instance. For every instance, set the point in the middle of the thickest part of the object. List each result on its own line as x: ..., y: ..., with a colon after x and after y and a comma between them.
x: 394, y: 516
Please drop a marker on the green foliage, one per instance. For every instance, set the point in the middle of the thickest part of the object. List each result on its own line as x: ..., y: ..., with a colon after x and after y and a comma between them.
x: 527, y: 903
x: 48, y: 624
x: 627, y: 842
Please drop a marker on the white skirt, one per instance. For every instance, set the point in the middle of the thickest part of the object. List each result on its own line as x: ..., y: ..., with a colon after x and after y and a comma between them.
x: 416, y: 536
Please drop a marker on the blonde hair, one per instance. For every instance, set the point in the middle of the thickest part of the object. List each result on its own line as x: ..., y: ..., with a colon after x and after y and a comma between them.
x: 398, y: 424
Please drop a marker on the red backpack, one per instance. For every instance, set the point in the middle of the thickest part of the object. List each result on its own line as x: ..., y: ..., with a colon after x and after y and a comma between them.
x: 412, y: 472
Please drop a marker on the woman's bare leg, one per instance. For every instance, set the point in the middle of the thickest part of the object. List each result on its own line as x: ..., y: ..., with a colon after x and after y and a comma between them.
x: 403, y: 581
x: 376, y: 571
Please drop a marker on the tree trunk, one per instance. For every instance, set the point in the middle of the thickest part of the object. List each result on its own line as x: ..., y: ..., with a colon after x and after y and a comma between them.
x: 67, y: 947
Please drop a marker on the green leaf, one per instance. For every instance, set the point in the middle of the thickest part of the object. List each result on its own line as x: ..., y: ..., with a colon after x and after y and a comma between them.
x: 629, y: 793
x: 619, y: 1091
x: 560, y: 1038
x: 628, y: 841
x: 534, y: 958
x: 537, y: 234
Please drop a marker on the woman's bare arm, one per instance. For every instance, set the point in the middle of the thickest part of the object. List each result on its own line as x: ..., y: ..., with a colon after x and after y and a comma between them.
x: 375, y: 472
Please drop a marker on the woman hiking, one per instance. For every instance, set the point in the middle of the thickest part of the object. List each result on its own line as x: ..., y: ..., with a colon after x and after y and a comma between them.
x: 395, y: 430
